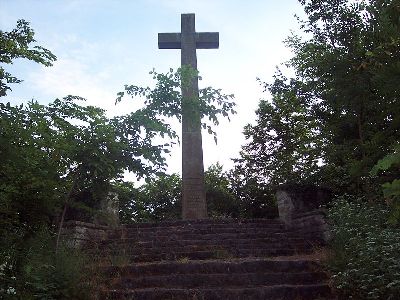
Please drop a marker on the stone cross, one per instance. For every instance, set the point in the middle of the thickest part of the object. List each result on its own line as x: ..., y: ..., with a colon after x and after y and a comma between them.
x: 194, y: 204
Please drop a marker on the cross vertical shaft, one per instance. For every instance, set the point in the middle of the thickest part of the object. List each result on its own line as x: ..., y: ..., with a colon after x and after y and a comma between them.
x: 194, y: 204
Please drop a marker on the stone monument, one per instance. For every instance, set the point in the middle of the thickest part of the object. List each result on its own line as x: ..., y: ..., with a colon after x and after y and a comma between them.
x: 194, y: 204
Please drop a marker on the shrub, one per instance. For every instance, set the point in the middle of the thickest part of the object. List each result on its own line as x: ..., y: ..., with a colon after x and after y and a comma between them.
x: 366, y: 261
x: 36, y: 271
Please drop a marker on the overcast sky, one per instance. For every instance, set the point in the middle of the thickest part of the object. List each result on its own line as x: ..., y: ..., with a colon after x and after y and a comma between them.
x: 103, y: 44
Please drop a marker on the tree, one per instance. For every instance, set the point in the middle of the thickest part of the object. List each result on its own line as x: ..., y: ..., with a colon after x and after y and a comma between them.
x: 66, y: 154
x: 283, y: 145
x: 166, y: 97
x: 256, y: 198
x: 67, y: 157
x: 16, y: 44
x: 160, y: 198
x: 339, y: 114
x: 221, y: 201
x: 358, y: 116
x: 156, y: 200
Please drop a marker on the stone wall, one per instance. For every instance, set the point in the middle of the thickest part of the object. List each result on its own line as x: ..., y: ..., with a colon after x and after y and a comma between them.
x: 300, y: 208
x: 81, y: 234
x: 91, y: 229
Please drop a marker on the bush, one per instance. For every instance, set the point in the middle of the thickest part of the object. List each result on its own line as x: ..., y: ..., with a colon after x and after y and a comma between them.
x: 366, y: 261
x: 222, y: 203
x: 36, y: 271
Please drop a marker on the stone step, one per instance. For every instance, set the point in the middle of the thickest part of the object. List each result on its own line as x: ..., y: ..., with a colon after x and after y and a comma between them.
x: 191, y: 281
x: 234, y: 242
x: 186, y: 224
x: 209, y: 259
x: 138, y: 245
x: 213, y: 267
x: 205, y: 222
x: 204, y: 255
x: 193, y: 231
x: 282, y: 292
x: 129, y: 249
x: 203, y: 229
x: 243, y: 241
x: 208, y: 236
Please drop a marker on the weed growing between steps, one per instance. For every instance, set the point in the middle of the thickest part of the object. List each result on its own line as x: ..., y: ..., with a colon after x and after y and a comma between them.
x: 183, y: 260
x: 366, y: 261
x: 222, y: 254
x: 118, y: 255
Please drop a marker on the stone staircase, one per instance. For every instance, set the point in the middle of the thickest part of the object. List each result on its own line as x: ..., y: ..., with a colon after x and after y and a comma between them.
x: 210, y: 259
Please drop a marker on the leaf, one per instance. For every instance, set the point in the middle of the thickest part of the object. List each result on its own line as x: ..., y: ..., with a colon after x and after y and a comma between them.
x: 391, y: 189
x: 387, y: 162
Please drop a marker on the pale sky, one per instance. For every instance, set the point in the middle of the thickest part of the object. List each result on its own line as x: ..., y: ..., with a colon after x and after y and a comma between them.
x: 101, y: 45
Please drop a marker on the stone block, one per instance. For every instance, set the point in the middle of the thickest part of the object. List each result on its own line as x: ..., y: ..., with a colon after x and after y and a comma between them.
x: 80, y: 234
x: 300, y: 209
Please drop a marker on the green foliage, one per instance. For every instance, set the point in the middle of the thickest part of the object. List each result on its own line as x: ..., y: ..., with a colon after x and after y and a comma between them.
x: 79, y: 151
x: 366, y: 262
x: 161, y: 198
x: 255, y: 197
x: 16, y: 44
x: 283, y: 146
x: 166, y: 98
x: 28, y: 178
x: 358, y: 115
x: 130, y: 208
x: 60, y: 153
x: 331, y: 123
x: 340, y: 112
x: 57, y: 153
x: 227, y: 196
x: 221, y: 201
x: 156, y: 200
x: 391, y: 190
x: 37, y: 272
x: 72, y: 155
x: 388, y: 161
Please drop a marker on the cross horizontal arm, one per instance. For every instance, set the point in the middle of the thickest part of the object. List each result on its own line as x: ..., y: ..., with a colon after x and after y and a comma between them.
x: 204, y: 40
x: 207, y: 40
x: 169, y: 41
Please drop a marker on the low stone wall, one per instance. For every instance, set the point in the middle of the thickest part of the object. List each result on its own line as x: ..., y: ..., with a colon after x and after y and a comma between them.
x: 81, y: 234
x: 300, y: 209
x: 312, y: 225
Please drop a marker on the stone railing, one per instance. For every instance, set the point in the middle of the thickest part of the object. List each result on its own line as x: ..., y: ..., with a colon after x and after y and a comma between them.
x: 300, y: 209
